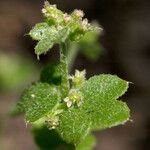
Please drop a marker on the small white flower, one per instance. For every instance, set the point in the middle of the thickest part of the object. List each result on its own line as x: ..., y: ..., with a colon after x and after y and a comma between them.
x: 68, y: 102
x: 67, y: 18
x: 44, y: 11
x: 78, y: 79
x: 85, y: 23
x: 74, y: 97
x: 66, y: 99
x: 80, y: 73
x: 79, y: 13
x: 46, y: 3
x: 54, y: 16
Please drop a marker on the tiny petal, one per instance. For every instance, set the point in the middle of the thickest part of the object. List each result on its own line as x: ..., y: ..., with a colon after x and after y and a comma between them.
x: 69, y: 103
x: 85, y: 23
x: 44, y: 10
x: 67, y: 17
x: 53, y: 127
x: 79, y: 13
x: 66, y: 99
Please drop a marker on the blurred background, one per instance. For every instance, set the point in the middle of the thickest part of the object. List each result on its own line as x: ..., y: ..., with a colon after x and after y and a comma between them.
x: 126, y: 52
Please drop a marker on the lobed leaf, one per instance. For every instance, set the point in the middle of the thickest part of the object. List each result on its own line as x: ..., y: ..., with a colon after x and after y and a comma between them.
x: 38, y: 101
x: 104, y: 87
x: 74, y: 126
x: 47, y: 36
x: 99, y: 110
x: 39, y: 30
x: 100, y: 104
x: 87, y: 144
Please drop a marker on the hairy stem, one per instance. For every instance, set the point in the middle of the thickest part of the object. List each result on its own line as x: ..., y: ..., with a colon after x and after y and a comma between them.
x: 72, y: 54
x: 64, y: 69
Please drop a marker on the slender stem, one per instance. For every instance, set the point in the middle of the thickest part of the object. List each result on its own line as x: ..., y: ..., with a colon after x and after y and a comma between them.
x: 64, y: 70
x: 72, y: 54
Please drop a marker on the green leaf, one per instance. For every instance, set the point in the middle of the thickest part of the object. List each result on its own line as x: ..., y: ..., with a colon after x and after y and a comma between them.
x: 39, y: 30
x: 87, y: 144
x: 47, y: 41
x: 91, y: 51
x: 48, y: 37
x: 107, y: 114
x: 100, y: 104
x: 51, y: 74
x: 74, y: 126
x: 43, y: 46
x: 99, y: 110
x: 38, y: 101
x: 104, y: 87
x: 56, y: 35
x: 14, y: 77
x: 90, y: 45
x: 49, y: 139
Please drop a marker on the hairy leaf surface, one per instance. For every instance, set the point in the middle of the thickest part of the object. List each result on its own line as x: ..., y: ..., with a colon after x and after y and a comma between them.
x: 100, y: 104
x: 47, y: 36
x: 39, y: 100
x: 39, y: 30
x: 74, y: 126
x: 99, y: 110
x: 87, y: 144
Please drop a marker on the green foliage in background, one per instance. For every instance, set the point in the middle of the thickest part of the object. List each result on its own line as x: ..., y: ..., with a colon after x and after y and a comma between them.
x: 64, y: 109
x: 14, y: 71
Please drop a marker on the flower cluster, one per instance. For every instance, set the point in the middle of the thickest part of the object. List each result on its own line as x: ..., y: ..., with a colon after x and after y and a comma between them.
x: 52, y: 14
x: 74, y: 22
x: 78, y: 79
x: 75, y: 96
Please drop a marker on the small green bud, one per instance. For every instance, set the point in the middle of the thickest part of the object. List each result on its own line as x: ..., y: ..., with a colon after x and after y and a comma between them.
x: 78, y: 79
x: 52, y: 123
